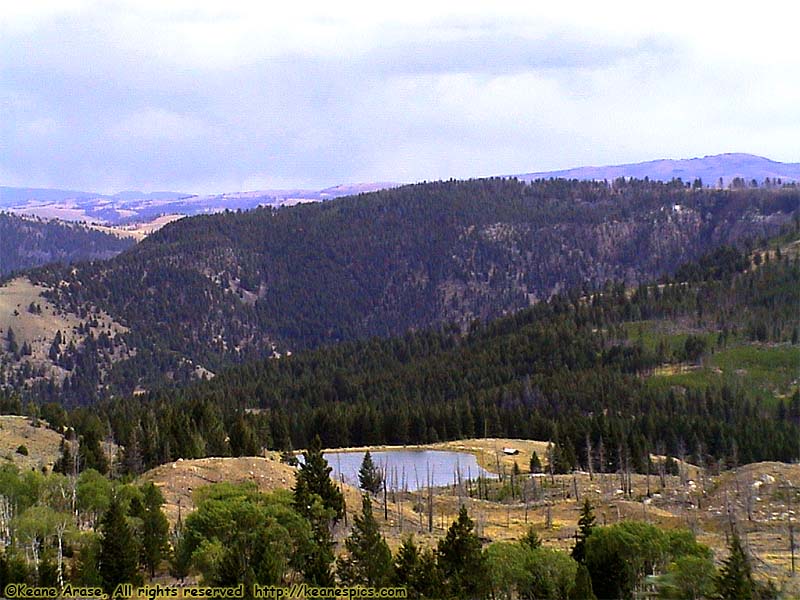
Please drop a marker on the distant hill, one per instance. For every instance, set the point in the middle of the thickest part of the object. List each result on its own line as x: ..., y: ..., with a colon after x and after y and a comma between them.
x: 135, y: 207
x: 209, y: 290
x: 709, y: 168
x: 27, y: 242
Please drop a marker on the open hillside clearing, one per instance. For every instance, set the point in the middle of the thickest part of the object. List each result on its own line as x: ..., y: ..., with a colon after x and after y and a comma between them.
x: 762, y: 500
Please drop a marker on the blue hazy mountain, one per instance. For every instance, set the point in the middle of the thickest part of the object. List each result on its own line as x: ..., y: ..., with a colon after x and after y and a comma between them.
x: 708, y: 168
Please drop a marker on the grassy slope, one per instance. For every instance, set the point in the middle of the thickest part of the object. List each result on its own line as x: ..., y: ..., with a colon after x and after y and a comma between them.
x: 43, y: 444
x: 39, y: 330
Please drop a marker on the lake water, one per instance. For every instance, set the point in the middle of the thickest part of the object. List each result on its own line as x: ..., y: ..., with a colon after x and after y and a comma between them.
x: 409, y: 469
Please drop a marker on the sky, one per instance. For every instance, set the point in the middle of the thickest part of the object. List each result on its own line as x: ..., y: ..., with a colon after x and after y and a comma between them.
x: 210, y: 96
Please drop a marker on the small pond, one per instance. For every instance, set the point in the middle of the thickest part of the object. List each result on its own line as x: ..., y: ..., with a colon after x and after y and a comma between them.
x: 409, y: 469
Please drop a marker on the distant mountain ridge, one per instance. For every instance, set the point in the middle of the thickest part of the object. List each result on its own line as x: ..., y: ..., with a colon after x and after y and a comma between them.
x: 708, y: 168
x: 134, y: 206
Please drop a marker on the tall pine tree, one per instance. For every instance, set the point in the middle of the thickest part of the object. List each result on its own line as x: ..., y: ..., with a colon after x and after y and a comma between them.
x: 586, y: 523
x: 313, y: 477
x: 370, y: 477
x: 118, y: 560
x: 369, y: 560
x: 318, y: 499
x: 461, y: 559
x: 735, y: 580
x: 155, y: 529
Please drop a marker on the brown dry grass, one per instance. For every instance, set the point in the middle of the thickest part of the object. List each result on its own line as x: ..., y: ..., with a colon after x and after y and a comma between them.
x: 39, y: 330
x: 138, y: 231
x: 699, y: 502
x: 43, y: 444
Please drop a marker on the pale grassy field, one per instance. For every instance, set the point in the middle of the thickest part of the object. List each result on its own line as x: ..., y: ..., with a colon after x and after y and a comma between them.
x: 138, y: 231
x: 43, y: 444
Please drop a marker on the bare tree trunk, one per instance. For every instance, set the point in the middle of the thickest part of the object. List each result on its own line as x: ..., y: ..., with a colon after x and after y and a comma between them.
x: 682, y: 464
x: 60, y: 556
x: 430, y: 499
x: 385, y: 505
x: 525, y: 498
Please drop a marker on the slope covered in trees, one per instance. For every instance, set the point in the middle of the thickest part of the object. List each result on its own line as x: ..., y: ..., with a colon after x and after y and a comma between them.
x: 225, y: 288
x: 27, y: 242
x: 595, y: 374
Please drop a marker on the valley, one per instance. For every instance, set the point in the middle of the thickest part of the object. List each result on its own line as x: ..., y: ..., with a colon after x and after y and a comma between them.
x: 217, y: 290
x: 664, y: 389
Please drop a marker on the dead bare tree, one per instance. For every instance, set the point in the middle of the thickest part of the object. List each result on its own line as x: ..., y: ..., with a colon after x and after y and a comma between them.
x: 525, y: 497
x: 682, y: 462
x: 790, y: 491
x: 601, y: 457
x: 662, y: 464
x: 385, y: 505
x: 701, y: 465
x: 430, y: 498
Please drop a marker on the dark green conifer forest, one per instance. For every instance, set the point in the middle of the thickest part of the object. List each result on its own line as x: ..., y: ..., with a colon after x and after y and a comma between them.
x: 216, y: 290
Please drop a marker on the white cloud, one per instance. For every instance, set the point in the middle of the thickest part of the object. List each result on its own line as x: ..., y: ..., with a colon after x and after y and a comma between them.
x: 155, y: 124
x: 201, y: 94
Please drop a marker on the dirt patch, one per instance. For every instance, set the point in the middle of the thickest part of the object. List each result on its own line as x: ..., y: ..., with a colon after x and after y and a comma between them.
x: 179, y: 479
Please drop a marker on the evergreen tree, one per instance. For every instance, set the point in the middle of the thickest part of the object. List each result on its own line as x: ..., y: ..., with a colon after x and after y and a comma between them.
x: 735, y: 579
x: 91, y: 454
x: 86, y: 570
x: 583, y: 585
x: 317, y: 498
x: 243, y: 441
x: 313, y: 477
x: 11, y: 337
x: 155, y: 528
x: 118, y: 556
x: 586, y: 523
x: 531, y: 539
x: 370, y: 477
x: 417, y: 570
x: 132, y: 462
x: 316, y: 567
x: 369, y: 560
x: 406, y: 562
x: 461, y: 559
x: 66, y: 462
x: 535, y: 464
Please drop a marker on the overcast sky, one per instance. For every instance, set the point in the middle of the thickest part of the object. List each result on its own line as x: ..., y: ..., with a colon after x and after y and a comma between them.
x: 212, y: 96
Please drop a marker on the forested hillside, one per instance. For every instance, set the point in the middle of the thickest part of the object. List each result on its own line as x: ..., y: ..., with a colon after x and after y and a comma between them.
x: 27, y: 242
x: 231, y: 287
x: 704, y: 367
